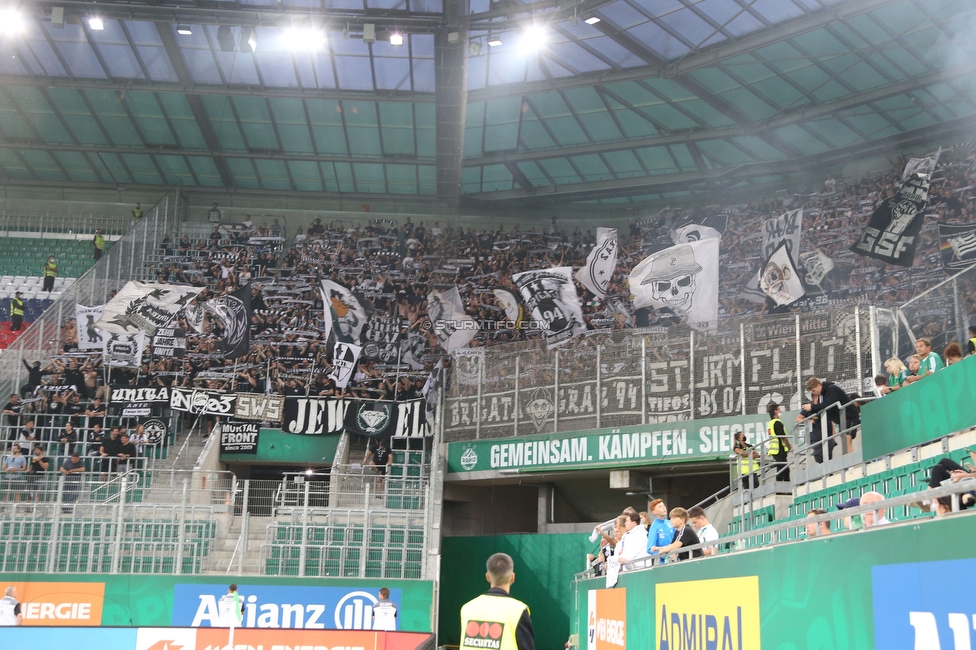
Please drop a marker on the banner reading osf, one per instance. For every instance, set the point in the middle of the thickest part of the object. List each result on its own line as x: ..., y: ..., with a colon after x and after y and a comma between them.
x: 722, y: 613
x: 60, y: 603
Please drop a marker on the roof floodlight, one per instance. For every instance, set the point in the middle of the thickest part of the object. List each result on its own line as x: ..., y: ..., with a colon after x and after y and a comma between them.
x: 183, y: 29
x: 11, y: 22
x: 305, y: 38
x: 97, y: 24
x: 396, y: 39
x: 534, y: 37
x: 592, y: 20
x: 494, y: 40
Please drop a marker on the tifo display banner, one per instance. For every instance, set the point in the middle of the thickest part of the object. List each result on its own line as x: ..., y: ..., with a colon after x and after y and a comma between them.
x: 314, y: 415
x: 124, y: 350
x: 600, y: 263
x: 344, y: 314
x: 683, y: 279
x: 344, y: 359
x: 151, y: 394
x: 233, y: 310
x: 324, y: 415
x: 779, y: 279
x: 169, y: 342
x: 957, y: 245
x: 453, y: 327
x: 144, y: 307
x: 892, y: 233
x: 784, y: 229
x: 642, y: 445
x: 238, y: 437
x: 190, y: 601
x: 89, y: 338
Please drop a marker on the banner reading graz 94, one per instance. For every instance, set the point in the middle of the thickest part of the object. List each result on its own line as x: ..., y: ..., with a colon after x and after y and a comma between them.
x: 700, y: 440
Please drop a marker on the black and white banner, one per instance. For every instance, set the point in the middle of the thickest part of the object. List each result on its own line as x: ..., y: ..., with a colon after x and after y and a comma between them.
x: 454, y: 328
x: 89, y: 337
x: 550, y: 297
x: 922, y: 165
x: 816, y: 265
x: 233, y: 310
x: 154, y: 394
x: 784, y: 228
x: 124, y: 351
x: 600, y: 263
x: 194, y: 315
x: 238, y: 437
x: 202, y: 402
x: 262, y: 408
x: 779, y: 279
x: 684, y: 279
x: 510, y: 303
x: 136, y: 410
x: 144, y: 307
x: 325, y: 415
x: 169, y: 342
x: 892, y: 233
x: 957, y: 245
x: 344, y: 359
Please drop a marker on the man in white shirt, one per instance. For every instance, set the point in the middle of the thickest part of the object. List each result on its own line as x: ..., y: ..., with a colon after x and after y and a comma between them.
x: 384, y: 612
x: 230, y: 608
x: 10, y: 613
x: 214, y: 214
x: 706, y: 531
x: 634, y: 542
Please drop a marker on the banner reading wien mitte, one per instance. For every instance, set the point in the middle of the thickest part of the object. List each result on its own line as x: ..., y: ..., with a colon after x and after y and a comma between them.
x: 689, y: 441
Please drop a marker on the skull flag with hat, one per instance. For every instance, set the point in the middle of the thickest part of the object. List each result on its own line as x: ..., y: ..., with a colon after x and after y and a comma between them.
x: 684, y: 279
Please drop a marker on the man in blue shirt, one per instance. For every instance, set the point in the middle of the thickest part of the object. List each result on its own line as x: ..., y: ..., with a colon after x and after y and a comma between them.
x: 660, y: 532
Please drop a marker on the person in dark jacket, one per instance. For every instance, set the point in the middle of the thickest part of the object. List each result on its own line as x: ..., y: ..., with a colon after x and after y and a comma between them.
x: 34, y: 375
x: 825, y: 395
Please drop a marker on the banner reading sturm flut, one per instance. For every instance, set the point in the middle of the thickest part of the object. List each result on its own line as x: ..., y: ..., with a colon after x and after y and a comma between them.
x: 892, y: 233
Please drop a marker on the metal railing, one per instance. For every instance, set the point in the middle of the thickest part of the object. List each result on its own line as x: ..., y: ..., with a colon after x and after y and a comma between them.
x: 650, y: 375
x: 942, y: 314
x: 848, y: 520
x: 121, y: 263
x: 33, y: 223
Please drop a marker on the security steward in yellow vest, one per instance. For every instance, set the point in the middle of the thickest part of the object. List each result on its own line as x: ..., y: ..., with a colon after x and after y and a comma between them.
x: 50, y: 272
x: 748, y: 461
x: 779, y: 444
x: 98, y: 243
x: 971, y: 346
x: 16, y: 312
x: 495, y: 620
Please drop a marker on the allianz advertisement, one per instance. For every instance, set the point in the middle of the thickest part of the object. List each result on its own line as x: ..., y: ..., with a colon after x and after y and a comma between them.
x: 267, y: 606
x: 690, y: 441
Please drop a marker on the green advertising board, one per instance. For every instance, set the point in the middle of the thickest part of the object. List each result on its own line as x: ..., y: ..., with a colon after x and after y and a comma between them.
x: 276, y: 447
x: 141, y: 600
x: 897, y: 587
x: 930, y: 408
x: 641, y: 445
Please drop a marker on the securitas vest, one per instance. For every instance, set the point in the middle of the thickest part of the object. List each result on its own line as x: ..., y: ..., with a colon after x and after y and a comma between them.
x: 490, y: 622
x: 748, y: 464
x: 50, y: 270
x: 774, y: 440
x: 99, y: 242
x: 16, y: 307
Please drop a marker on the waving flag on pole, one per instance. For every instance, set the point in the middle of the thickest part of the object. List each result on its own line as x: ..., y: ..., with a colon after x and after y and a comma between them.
x: 684, y: 279
x: 550, y: 296
x: 892, y: 233
x: 600, y: 263
x: 779, y: 279
x: 510, y: 303
x: 144, y: 307
x: 344, y: 359
x: 344, y: 314
x: 454, y: 328
x: 234, y: 312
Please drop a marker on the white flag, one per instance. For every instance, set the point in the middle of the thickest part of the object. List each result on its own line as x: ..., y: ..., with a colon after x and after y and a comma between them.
x: 348, y: 314
x: 344, y: 359
x: 510, y: 304
x: 779, y: 279
x: 693, y: 232
x: 684, y: 279
x: 600, y: 263
x: 453, y: 327
x: 784, y: 228
x: 921, y: 165
x: 145, y: 307
x: 550, y: 296
x: 194, y: 317
x: 89, y: 337
x: 124, y: 350
x: 816, y: 265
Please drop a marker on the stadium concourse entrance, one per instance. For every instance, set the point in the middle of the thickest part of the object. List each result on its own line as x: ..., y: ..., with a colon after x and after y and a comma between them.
x: 569, y: 501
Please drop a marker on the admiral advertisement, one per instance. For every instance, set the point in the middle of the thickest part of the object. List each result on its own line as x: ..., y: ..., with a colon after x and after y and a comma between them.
x: 701, y: 440
x: 722, y: 613
x: 269, y: 606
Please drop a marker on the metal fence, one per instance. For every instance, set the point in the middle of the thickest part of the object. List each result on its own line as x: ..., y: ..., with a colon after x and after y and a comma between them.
x: 124, y: 261
x: 942, y: 314
x: 650, y: 375
x: 18, y: 222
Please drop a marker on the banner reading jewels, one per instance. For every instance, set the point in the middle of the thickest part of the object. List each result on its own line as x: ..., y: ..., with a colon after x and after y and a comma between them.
x: 324, y: 415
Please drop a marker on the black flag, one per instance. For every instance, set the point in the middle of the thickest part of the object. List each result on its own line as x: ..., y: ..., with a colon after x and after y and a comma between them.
x: 234, y: 312
x: 892, y: 234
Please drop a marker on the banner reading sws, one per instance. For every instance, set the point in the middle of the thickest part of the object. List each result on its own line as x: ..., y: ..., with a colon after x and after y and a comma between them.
x: 694, y: 441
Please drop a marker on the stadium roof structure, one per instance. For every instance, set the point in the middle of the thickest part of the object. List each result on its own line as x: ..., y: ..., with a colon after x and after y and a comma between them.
x: 494, y: 104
